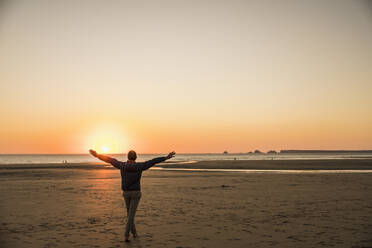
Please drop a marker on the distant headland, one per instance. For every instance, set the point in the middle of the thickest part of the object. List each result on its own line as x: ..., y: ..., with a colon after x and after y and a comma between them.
x: 308, y: 151
x: 325, y: 151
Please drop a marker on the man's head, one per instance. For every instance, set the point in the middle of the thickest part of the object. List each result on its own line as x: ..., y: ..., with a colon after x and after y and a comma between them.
x: 132, y: 155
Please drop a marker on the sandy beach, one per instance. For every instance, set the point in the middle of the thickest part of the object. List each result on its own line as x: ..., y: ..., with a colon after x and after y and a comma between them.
x: 82, y: 206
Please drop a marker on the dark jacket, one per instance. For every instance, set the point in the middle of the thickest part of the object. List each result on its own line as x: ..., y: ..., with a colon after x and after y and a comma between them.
x: 131, y: 172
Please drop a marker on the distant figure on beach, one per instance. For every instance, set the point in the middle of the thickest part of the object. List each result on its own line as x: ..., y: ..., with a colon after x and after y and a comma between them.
x: 131, y: 173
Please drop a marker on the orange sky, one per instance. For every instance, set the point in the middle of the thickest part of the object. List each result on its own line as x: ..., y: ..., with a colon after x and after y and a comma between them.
x: 203, y: 76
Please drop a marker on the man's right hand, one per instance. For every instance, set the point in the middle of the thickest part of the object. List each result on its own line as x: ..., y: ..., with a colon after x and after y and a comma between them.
x: 171, y: 155
x: 93, y: 152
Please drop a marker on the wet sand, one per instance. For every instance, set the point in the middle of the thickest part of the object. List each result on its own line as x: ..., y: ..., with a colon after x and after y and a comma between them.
x: 70, y: 207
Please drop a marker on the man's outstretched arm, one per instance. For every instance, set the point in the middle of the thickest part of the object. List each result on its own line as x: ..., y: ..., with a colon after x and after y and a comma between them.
x: 106, y: 159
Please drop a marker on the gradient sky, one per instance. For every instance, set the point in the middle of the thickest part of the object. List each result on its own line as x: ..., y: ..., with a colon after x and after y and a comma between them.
x: 190, y: 76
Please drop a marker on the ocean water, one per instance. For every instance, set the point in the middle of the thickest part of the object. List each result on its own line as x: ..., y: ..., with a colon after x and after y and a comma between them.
x: 87, y: 158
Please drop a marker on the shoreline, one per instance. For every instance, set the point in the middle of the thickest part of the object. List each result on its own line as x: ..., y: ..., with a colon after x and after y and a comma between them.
x: 314, y: 164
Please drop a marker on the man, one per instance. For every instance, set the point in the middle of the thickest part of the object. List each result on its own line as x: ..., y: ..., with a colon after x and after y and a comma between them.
x: 131, y: 173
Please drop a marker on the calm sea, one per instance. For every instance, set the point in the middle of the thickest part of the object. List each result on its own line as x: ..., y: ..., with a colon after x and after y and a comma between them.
x: 84, y: 158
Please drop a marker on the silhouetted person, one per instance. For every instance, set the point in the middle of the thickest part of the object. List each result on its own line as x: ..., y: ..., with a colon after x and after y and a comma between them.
x: 131, y: 173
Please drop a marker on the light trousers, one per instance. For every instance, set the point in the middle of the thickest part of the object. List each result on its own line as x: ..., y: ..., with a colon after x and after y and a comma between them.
x: 132, y: 199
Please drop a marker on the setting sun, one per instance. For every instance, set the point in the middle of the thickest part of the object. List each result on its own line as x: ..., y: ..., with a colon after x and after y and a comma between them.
x: 107, y: 139
x: 105, y: 149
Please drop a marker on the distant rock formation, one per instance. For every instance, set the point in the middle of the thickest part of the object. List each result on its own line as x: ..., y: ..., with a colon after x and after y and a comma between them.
x: 272, y: 152
x: 257, y: 152
x: 326, y: 151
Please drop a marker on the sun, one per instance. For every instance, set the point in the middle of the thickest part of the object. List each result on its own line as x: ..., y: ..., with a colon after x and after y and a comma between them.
x: 107, y: 139
x: 105, y: 149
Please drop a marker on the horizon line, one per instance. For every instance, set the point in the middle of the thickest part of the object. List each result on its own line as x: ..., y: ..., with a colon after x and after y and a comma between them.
x: 202, y: 153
